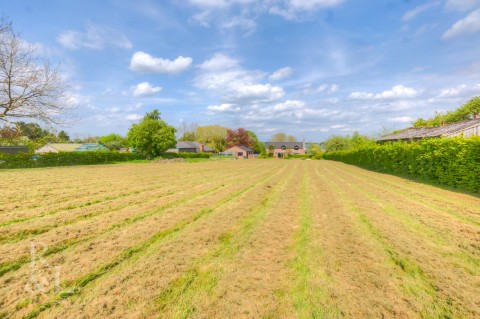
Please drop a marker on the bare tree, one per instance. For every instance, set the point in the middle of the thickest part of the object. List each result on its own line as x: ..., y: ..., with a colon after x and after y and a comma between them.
x: 29, y: 87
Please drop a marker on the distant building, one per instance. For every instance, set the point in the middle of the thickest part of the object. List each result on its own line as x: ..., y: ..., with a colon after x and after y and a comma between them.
x: 281, y: 149
x: 240, y: 152
x: 13, y: 149
x: 190, y: 147
x: 466, y: 128
x: 70, y: 147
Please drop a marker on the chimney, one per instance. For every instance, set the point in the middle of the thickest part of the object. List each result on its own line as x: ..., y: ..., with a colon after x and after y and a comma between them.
x: 202, y: 148
x: 475, y: 116
x: 443, y: 123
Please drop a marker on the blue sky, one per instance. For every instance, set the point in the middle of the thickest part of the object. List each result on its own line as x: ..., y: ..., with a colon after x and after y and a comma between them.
x: 307, y: 68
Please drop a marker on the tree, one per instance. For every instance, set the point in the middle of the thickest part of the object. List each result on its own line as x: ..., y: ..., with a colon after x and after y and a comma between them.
x: 29, y: 88
x: 279, y: 137
x: 63, y: 136
x: 187, y: 131
x: 462, y: 113
x: 31, y: 130
x: 114, y: 141
x: 152, y: 136
x: 291, y: 138
x: 239, y: 137
x: 257, y: 146
x: 214, y: 136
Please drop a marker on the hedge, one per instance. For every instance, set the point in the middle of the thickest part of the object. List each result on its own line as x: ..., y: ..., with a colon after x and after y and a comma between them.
x: 448, y: 161
x: 186, y: 155
x: 65, y: 159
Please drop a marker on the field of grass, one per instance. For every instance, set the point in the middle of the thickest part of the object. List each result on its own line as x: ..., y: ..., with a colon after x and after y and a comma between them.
x: 235, y: 239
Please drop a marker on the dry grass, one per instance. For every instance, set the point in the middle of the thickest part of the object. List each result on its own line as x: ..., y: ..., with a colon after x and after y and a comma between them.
x: 243, y: 239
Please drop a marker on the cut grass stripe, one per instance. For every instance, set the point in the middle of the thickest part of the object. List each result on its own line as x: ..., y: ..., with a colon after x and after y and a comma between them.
x: 201, y: 278
x: 75, y: 287
x: 14, y: 265
x: 415, y: 283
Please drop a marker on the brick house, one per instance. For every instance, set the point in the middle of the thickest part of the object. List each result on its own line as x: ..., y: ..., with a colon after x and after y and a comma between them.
x: 281, y: 149
x: 240, y: 152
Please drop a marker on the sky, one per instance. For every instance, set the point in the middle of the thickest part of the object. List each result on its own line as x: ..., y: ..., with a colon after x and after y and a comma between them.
x: 311, y: 69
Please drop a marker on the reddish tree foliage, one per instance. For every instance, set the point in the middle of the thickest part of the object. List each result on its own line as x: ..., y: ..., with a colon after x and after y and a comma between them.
x: 239, y: 137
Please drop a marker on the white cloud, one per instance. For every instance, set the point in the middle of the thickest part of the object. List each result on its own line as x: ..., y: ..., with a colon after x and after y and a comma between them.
x: 224, y: 76
x: 144, y: 62
x: 95, y: 37
x: 397, y: 92
x: 241, y: 22
x: 133, y: 117
x: 309, y: 89
x: 400, y: 119
x: 289, y: 105
x: 468, y: 25
x: 281, y: 74
x: 461, y: 5
x: 219, y: 62
x: 223, y: 108
x: 144, y: 89
x: 256, y: 93
x: 460, y: 90
x: 409, y: 15
x: 289, y: 9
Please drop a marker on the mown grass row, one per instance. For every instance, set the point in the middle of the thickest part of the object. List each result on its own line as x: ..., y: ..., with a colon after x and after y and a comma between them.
x: 415, y: 284
x: 178, y: 299
x: 468, y: 261
x: 75, y: 287
x: 15, y: 265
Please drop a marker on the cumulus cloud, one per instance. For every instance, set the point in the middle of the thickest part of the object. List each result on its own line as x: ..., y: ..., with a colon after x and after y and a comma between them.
x: 281, y: 74
x: 145, y: 89
x: 468, y: 25
x: 144, y: 62
x: 223, y: 108
x: 219, y: 62
x: 95, y: 37
x: 289, y: 105
x: 224, y: 75
x: 397, y: 92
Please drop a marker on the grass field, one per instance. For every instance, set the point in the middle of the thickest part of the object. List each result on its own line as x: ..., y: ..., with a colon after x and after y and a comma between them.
x: 235, y: 239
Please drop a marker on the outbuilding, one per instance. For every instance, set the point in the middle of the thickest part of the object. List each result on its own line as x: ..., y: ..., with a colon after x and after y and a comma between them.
x: 240, y: 152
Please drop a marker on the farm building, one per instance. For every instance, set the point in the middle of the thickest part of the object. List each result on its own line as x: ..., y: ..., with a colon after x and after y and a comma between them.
x: 240, y: 152
x: 13, y: 149
x: 70, y: 147
x: 280, y: 149
x: 190, y: 147
x: 466, y: 128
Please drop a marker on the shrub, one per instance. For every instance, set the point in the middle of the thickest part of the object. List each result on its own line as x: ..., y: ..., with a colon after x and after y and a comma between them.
x: 449, y: 161
x: 186, y: 155
x: 65, y: 159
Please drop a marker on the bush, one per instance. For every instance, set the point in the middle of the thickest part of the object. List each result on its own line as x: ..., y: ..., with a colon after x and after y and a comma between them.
x: 449, y: 161
x: 65, y: 159
x: 186, y: 155
x: 302, y: 156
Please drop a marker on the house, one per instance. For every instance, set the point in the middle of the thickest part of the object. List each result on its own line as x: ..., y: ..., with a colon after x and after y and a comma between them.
x: 281, y: 149
x: 190, y: 147
x: 466, y: 128
x: 240, y: 152
x: 70, y: 147
x: 13, y: 149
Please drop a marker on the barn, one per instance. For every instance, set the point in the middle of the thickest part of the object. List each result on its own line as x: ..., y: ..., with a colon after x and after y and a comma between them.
x: 466, y: 128
x: 240, y: 152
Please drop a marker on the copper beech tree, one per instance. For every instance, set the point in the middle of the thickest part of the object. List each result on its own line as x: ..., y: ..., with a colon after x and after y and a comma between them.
x: 29, y: 87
